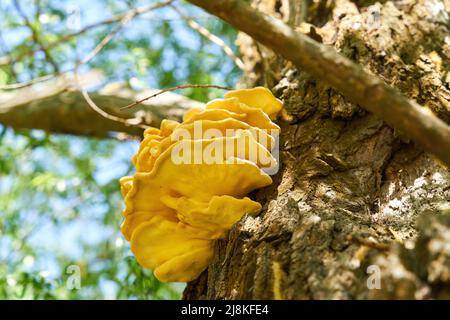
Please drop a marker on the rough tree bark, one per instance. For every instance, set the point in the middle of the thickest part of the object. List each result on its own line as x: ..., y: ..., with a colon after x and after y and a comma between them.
x: 354, y: 201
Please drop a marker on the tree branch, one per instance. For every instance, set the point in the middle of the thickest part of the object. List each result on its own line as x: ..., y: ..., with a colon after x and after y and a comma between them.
x: 327, y: 65
x: 35, y: 36
x: 211, y: 37
x: 58, y: 107
x: 125, y: 19
x: 174, y: 89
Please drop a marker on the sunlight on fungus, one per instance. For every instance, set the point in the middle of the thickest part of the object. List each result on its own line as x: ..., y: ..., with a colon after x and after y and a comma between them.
x: 190, y: 187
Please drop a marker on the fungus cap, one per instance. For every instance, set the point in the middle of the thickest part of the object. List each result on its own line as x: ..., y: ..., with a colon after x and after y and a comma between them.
x: 258, y: 97
x: 172, y: 249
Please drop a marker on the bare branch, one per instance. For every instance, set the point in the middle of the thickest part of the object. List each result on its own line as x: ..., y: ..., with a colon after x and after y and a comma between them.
x: 112, y: 20
x: 327, y: 65
x: 90, y: 56
x: 100, y: 111
x: 57, y: 106
x: 211, y: 37
x: 173, y: 89
x: 35, y: 36
x: 124, y: 19
x: 18, y: 85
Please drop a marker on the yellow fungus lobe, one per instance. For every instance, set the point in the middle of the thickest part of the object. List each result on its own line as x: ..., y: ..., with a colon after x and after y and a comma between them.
x: 192, y: 179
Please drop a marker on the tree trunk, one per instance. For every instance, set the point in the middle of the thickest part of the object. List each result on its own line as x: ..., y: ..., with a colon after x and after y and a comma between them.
x: 356, y: 211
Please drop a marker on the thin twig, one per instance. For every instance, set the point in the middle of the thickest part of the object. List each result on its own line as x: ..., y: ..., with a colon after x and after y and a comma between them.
x: 202, y: 17
x: 35, y: 36
x: 173, y: 89
x: 107, y: 39
x: 57, y: 99
x: 211, y: 37
x: 114, y: 19
x: 100, y: 111
x: 124, y: 19
x: 18, y: 85
x: 129, y: 122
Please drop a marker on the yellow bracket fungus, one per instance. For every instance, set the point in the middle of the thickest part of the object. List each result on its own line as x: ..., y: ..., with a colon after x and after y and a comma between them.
x: 192, y: 179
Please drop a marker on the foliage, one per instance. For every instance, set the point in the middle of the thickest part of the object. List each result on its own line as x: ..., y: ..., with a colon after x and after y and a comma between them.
x: 60, y: 203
